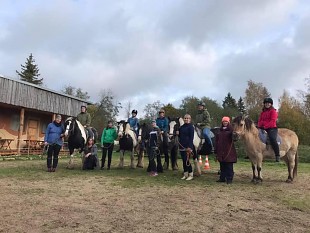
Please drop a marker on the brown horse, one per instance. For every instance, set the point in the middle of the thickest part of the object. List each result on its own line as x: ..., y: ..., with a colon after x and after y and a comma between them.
x: 256, y: 150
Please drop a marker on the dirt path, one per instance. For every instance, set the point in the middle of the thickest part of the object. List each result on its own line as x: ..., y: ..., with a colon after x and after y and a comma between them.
x: 98, y: 203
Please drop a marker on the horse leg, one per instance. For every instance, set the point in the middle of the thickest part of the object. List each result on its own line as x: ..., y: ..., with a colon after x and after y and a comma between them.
x: 70, y: 164
x: 174, y: 158
x: 197, y: 167
x: 140, y: 158
x: 254, y: 173
x: 290, y: 162
x: 132, y: 158
x: 259, y: 168
x: 121, y: 159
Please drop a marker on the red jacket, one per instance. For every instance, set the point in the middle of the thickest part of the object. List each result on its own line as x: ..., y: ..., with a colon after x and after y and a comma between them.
x: 268, y: 118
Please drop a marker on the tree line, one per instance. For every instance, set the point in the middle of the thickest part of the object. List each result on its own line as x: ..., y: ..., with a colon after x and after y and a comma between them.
x: 294, y: 113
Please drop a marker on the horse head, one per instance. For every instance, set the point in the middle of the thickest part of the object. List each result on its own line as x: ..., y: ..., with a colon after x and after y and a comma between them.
x: 241, y: 124
x: 174, y: 126
x: 121, y: 128
x: 69, y: 126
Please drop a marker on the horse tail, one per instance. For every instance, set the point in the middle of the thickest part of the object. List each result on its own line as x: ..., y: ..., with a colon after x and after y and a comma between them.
x: 296, y: 163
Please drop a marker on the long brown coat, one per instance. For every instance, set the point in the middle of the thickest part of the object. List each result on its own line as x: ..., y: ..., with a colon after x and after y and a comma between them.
x: 225, y: 148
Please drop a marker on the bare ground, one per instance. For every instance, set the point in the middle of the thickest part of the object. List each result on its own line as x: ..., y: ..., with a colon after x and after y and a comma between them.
x: 97, y: 202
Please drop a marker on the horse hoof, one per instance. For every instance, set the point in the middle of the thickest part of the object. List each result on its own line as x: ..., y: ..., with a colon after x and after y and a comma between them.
x: 289, y: 181
x: 139, y: 166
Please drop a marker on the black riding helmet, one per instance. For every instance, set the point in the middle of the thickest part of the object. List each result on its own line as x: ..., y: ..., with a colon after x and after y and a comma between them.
x: 268, y: 100
x: 201, y: 104
x: 134, y: 111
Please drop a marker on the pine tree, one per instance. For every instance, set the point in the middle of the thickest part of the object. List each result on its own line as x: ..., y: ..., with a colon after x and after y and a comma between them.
x: 241, y: 106
x: 229, y: 102
x: 30, y: 72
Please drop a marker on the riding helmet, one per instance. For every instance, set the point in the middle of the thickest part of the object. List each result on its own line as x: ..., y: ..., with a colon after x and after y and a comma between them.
x: 161, y: 111
x: 134, y: 111
x: 268, y: 100
x: 201, y: 103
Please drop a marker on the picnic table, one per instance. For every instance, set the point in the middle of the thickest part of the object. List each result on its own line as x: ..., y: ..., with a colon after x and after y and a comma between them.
x: 5, y: 143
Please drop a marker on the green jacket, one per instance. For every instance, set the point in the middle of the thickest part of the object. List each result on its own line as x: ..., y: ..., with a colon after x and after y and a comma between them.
x: 203, y: 119
x: 108, y: 135
x: 84, y: 118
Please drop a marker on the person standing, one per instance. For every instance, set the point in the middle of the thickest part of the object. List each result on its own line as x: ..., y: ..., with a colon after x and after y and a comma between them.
x: 153, y: 141
x: 186, y: 147
x: 163, y: 124
x: 107, y: 143
x: 90, y: 155
x: 268, y: 121
x: 53, y: 139
x: 203, y: 121
x: 225, y: 151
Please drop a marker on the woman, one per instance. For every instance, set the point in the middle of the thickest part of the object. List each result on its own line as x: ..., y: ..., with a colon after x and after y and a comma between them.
x: 53, y: 139
x: 225, y: 151
x: 107, y: 143
x: 186, y: 147
x: 268, y: 122
x: 90, y: 155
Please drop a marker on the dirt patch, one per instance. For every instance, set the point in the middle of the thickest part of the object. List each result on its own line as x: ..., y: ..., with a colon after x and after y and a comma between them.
x: 54, y: 202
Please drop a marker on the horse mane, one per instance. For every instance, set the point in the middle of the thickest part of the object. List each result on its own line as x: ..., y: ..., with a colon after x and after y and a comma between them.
x: 248, y: 122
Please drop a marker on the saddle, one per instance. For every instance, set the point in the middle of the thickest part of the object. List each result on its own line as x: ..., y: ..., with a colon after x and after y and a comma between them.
x: 263, y: 136
x: 90, y: 132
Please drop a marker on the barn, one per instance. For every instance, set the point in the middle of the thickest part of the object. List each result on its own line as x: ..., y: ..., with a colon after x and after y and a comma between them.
x: 26, y: 110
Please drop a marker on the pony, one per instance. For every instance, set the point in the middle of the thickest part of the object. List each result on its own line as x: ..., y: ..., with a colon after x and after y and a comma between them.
x: 77, y: 137
x: 127, y: 142
x: 144, y: 134
x: 256, y: 150
x: 144, y: 131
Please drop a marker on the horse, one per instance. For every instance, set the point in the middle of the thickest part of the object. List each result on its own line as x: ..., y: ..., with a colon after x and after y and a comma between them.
x: 127, y: 142
x: 174, y: 126
x: 77, y: 137
x: 144, y: 131
x: 245, y: 129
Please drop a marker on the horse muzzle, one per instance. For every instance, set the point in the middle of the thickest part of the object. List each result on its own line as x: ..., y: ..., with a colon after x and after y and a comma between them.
x: 235, y: 136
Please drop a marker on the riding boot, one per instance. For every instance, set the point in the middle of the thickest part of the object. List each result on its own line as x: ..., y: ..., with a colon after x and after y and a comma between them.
x: 277, y: 158
x: 190, y: 176
x: 185, y: 176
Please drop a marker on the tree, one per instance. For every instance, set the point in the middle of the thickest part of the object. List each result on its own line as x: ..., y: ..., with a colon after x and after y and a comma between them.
x: 103, y: 111
x: 151, y: 110
x: 76, y: 92
x: 189, y: 106
x: 171, y: 111
x: 254, y: 98
x: 30, y: 72
x: 291, y: 116
x: 241, y: 106
x: 230, y: 106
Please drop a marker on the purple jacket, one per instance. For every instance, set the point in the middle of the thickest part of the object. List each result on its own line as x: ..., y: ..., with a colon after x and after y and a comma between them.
x: 225, y: 148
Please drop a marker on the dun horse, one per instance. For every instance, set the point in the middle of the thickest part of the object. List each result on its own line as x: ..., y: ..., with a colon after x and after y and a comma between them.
x: 256, y: 150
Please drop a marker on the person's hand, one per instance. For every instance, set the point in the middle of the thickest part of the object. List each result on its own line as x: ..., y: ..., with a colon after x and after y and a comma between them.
x: 45, y: 143
x: 198, y: 124
x: 162, y: 132
x: 177, y: 132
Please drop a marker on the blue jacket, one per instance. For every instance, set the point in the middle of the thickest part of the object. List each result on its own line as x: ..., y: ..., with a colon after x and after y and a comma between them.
x: 134, y: 123
x: 52, y: 134
x: 186, y: 136
x: 162, y: 123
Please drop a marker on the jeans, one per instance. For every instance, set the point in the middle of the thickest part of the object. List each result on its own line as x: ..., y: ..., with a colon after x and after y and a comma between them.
x: 52, y: 154
x: 187, y: 166
x: 206, y: 135
x: 107, y: 147
x: 227, y: 171
x: 152, y: 154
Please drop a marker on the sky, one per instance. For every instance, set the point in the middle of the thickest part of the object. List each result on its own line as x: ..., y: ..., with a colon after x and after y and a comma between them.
x: 144, y: 50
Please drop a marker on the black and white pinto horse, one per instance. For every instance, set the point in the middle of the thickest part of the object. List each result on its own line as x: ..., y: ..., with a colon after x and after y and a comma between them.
x: 77, y: 137
x: 198, y: 140
x: 127, y: 142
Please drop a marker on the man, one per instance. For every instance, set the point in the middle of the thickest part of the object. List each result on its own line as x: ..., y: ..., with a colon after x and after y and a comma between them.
x: 85, y: 119
x: 203, y: 121
x: 163, y: 124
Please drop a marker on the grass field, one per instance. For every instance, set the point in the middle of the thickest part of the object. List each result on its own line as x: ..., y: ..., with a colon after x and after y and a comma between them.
x: 128, y: 200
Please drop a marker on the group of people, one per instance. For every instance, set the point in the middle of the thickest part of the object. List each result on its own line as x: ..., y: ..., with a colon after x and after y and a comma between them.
x: 224, y: 147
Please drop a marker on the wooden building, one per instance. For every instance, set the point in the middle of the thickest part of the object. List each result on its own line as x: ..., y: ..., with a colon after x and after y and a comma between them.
x: 26, y: 110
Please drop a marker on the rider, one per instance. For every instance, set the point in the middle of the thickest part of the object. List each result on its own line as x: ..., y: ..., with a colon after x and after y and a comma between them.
x: 134, y: 121
x: 203, y: 121
x: 268, y: 122
x: 85, y: 119
x: 163, y: 124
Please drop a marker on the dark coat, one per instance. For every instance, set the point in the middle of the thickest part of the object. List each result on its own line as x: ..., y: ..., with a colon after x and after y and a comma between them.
x: 225, y: 148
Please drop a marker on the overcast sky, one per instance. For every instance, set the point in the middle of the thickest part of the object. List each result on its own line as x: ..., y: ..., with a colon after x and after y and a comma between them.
x: 146, y: 51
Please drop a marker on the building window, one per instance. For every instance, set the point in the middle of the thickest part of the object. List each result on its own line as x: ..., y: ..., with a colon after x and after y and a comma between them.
x: 14, y: 122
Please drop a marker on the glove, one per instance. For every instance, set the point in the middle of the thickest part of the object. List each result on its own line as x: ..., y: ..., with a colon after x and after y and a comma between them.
x: 198, y: 124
